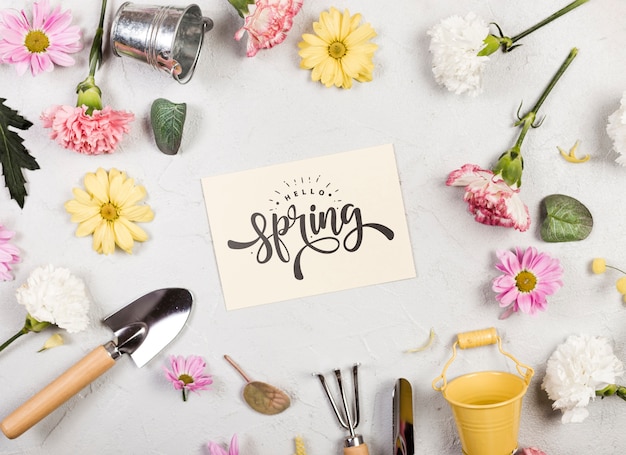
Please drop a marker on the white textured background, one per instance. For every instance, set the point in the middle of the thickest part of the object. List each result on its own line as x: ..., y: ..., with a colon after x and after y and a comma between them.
x: 250, y: 112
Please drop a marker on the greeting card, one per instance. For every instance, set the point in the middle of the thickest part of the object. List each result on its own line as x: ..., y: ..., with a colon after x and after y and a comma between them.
x: 309, y: 227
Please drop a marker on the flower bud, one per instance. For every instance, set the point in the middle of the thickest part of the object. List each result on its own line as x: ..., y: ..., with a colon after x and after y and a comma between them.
x: 492, y: 44
x: 34, y: 325
x: 621, y: 285
x: 510, y: 166
x: 607, y: 391
x: 598, y: 265
x: 89, y: 94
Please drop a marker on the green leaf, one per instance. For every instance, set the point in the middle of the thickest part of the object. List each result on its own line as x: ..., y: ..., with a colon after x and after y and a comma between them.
x: 242, y: 6
x: 13, y: 155
x: 565, y: 219
x: 167, y: 121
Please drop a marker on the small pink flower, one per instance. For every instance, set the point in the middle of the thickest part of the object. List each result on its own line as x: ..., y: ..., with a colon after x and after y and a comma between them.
x: 490, y: 199
x: 216, y: 449
x: 268, y: 25
x: 93, y: 134
x: 188, y: 374
x: 9, y: 254
x: 529, y: 276
x: 532, y: 451
x: 41, y: 43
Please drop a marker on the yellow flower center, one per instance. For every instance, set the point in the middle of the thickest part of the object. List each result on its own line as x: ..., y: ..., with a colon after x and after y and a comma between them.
x: 109, y: 212
x: 337, y: 49
x: 525, y: 281
x: 185, y: 378
x: 36, y: 41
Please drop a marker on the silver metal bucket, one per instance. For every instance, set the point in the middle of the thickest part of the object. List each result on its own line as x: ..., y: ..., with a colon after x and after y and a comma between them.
x: 166, y: 37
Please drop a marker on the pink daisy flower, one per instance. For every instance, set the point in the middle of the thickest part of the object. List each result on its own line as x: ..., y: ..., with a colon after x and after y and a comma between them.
x: 216, y: 449
x: 529, y: 276
x: 95, y: 134
x: 9, y: 254
x: 41, y: 43
x: 268, y: 25
x: 490, y: 199
x: 187, y: 373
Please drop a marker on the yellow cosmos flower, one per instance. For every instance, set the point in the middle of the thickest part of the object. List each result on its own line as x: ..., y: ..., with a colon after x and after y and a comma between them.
x: 108, y: 210
x: 340, y: 50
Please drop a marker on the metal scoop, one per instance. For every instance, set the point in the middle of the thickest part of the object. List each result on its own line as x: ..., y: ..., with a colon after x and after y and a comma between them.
x: 353, y: 444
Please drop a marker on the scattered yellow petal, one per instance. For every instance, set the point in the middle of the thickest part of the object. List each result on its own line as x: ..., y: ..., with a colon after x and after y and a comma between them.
x: 300, y: 450
x: 621, y: 285
x: 429, y: 343
x: 571, y: 156
x: 598, y: 265
x: 52, y: 342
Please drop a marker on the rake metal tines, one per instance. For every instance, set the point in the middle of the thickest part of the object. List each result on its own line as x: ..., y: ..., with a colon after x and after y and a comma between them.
x: 349, y: 419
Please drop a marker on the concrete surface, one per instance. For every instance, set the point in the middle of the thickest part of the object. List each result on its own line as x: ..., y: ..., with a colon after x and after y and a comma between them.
x: 250, y: 112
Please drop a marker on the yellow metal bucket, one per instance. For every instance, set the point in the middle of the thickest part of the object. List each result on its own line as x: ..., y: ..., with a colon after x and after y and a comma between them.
x: 486, y: 405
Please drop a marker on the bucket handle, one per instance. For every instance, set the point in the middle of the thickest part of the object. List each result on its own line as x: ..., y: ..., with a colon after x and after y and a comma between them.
x: 175, y: 70
x: 476, y: 339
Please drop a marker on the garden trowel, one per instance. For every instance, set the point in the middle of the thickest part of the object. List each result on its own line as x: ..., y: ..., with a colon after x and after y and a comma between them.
x: 141, y: 330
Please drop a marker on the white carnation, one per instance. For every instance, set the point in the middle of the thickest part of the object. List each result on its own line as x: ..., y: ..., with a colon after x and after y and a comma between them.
x: 56, y: 296
x: 455, y: 44
x: 576, y: 369
x: 616, y: 129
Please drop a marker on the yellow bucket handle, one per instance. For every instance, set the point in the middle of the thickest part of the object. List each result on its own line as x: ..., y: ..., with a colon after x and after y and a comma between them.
x: 476, y: 339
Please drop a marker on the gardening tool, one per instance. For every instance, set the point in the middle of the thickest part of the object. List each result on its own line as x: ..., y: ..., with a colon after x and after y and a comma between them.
x: 166, y: 37
x: 142, y: 329
x: 262, y: 397
x: 353, y: 444
x: 486, y: 405
x: 404, y: 439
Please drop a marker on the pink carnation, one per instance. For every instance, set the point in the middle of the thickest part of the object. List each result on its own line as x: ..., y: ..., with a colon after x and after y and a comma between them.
x: 532, y: 451
x: 9, y: 254
x: 269, y: 24
x: 490, y: 199
x: 93, y: 134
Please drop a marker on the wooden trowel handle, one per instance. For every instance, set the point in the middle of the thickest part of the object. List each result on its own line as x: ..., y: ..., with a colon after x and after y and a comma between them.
x: 361, y: 449
x: 57, y: 392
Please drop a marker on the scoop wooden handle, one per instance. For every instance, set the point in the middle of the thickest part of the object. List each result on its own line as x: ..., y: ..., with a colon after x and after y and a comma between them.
x: 57, y: 392
x: 361, y: 449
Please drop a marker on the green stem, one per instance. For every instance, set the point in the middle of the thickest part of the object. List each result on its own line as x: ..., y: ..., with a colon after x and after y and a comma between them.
x: 185, y: 393
x: 510, y: 163
x: 572, y: 55
x: 549, y: 19
x: 615, y: 268
x: 527, y: 122
x: 529, y: 118
x: 13, y: 338
x: 95, y: 54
